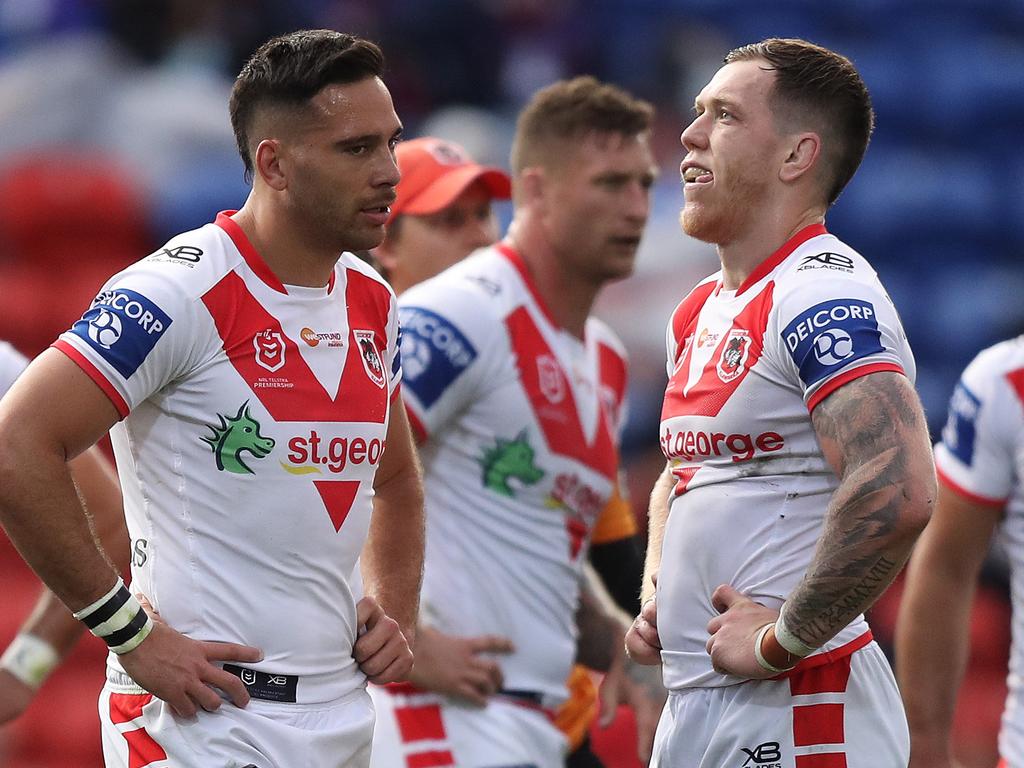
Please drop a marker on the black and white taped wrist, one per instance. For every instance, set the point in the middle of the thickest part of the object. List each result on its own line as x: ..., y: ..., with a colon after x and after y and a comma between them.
x: 117, y: 619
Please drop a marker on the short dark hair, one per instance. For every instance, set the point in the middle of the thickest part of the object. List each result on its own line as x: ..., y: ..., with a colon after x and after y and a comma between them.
x: 290, y: 69
x: 823, y: 88
x: 569, y: 110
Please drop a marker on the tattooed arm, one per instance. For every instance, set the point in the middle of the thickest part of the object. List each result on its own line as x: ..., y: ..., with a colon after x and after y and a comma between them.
x: 873, y: 434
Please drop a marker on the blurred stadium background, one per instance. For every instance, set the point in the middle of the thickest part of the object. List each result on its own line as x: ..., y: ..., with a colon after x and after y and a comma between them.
x: 114, y: 135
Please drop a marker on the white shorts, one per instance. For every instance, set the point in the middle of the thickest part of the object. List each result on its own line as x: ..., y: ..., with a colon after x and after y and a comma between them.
x: 419, y: 729
x: 846, y: 713
x: 140, y: 730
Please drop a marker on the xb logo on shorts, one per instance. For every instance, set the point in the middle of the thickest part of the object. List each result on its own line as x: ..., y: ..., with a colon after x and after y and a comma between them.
x: 509, y: 459
x: 767, y: 755
x: 234, y: 435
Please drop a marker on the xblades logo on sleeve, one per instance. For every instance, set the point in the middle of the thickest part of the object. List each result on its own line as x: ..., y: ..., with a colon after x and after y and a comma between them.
x: 122, y: 326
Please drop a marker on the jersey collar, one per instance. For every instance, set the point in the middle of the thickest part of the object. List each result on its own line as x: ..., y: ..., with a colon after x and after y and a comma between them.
x: 766, y: 266
x: 252, y: 256
x: 516, y: 260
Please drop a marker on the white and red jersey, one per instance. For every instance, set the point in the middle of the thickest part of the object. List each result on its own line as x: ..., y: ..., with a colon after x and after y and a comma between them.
x: 981, y: 458
x: 746, y: 368
x: 521, y: 421
x: 255, y: 416
x: 12, y: 363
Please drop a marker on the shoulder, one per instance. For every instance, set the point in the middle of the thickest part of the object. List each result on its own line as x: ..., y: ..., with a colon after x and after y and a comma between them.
x: 605, y: 337
x: 351, y: 262
x: 822, y: 265
x: 1001, y: 364
x: 185, y: 267
x: 475, y: 292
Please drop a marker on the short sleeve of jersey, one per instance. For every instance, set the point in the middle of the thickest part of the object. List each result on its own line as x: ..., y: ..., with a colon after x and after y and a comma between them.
x: 976, y: 454
x: 12, y: 363
x: 135, y: 337
x: 448, y: 335
x: 828, y: 332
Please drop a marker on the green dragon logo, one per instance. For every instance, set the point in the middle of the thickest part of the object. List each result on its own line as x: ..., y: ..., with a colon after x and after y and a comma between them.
x: 235, y: 434
x: 508, y: 459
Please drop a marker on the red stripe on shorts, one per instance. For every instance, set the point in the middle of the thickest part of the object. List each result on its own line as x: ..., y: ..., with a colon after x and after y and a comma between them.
x: 828, y: 678
x: 127, y: 706
x: 818, y: 724
x: 824, y: 760
x: 420, y: 723
x: 142, y: 748
x: 440, y: 758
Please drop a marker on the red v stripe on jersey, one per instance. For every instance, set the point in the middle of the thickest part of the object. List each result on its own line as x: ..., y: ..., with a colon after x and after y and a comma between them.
x: 684, y: 319
x: 559, y: 419
x: 337, y: 496
x: 1016, y: 379
x: 239, y: 317
x: 710, y: 393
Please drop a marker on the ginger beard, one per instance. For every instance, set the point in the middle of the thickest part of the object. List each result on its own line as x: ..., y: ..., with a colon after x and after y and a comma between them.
x: 723, y: 210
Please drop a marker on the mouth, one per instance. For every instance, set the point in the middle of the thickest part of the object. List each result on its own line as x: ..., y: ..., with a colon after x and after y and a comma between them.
x: 627, y: 241
x: 696, y: 174
x: 379, y: 214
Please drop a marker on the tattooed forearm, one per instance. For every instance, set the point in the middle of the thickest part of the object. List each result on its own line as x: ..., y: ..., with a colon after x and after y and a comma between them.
x: 874, y: 435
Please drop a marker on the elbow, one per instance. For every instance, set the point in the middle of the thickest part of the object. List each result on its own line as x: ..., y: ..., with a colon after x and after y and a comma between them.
x: 917, y: 503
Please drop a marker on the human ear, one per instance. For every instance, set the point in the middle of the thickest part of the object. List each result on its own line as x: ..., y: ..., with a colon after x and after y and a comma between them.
x: 267, y: 163
x: 804, y: 150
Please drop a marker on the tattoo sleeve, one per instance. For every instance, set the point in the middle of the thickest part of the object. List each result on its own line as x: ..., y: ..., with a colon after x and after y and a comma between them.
x: 873, y: 433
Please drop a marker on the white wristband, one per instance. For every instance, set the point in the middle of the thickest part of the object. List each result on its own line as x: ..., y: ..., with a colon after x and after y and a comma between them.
x: 788, y: 640
x: 30, y: 659
x: 765, y: 664
x: 118, y: 619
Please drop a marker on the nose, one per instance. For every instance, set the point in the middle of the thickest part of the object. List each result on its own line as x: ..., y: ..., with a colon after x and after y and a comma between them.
x: 389, y: 173
x: 695, y: 134
x: 638, y: 205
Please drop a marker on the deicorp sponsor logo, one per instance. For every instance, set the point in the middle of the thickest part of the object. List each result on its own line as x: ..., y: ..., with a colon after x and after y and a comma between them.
x: 315, y: 453
x: 831, y: 335
x: 697, y: 445
x: 958, y: 434
x: 123, y: 326
x: 434, y: 353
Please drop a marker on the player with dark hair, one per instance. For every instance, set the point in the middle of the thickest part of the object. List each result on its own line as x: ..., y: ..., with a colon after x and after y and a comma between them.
x: 250, y: 370
x: 799, y: 469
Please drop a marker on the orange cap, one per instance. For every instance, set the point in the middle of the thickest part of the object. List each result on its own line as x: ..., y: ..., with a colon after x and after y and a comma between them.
x: 435, y: 172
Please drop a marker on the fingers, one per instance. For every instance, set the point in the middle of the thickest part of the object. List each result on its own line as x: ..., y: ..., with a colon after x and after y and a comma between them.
x: 649, y: 612
x: 490, y: 644
x: 368, y: 612
x: 230, y: 684
x: 724, y: 597
x: 217, y: 651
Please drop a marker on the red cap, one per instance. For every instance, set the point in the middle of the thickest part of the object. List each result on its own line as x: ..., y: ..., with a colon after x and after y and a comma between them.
x: 435, y: 172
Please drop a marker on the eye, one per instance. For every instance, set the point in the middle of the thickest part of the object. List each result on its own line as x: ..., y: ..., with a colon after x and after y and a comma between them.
x: 357, y: 150
x: 724, y: 114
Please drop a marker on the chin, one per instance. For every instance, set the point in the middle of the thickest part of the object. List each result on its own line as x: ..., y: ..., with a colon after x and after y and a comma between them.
x: 698, y: 225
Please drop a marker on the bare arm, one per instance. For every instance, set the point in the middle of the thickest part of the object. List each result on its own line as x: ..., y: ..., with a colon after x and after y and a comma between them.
x: 642, y: 642
x: 50, y: 621
x: 874, y: 435
x: 392, y: 559
x: 53, y: 413
x: 940, y: 586
x: 872, y: 432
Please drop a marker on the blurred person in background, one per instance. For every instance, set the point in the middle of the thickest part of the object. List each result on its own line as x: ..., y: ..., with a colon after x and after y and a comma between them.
x: 516, y: 395
x: 255, y: 366
x: 50, y: 631
x: 799, y: 471
x: 980, y: 463
x: 442, y: 213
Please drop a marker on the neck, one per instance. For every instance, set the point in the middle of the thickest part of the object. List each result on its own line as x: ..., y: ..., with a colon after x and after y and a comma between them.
x: 286, y: 247
x: 741, y: 256
x: 567, y: 297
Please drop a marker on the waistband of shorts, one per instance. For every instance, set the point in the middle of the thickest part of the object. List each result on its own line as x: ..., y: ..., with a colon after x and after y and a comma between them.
x: 533, y: 700
x: 828, y: 657
x: 266, y: 686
